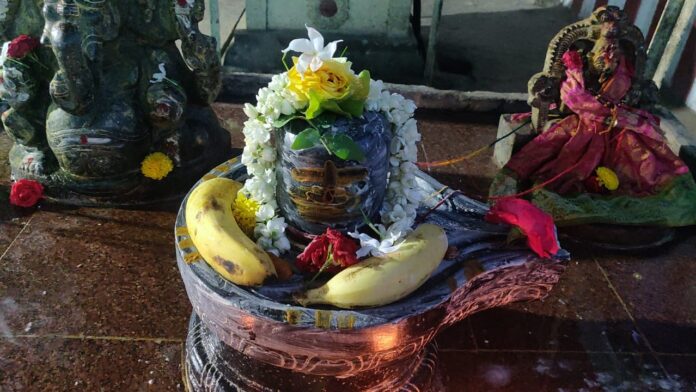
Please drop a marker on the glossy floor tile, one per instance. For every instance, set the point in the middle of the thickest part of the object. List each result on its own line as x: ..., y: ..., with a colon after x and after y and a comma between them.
x: 554, y: 371
x: 55, y: 364
x: 94, y: 272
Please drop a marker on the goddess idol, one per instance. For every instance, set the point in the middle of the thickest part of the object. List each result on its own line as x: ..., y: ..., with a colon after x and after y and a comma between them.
x: 600, y: 157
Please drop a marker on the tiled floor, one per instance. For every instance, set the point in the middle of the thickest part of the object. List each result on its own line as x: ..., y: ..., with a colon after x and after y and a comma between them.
x: 91, y: 300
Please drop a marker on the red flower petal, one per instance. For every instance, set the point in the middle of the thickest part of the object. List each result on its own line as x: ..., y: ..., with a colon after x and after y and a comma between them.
x: 21, y: 46
x: 537, y: 225
x: 343, y: 250
x: 26, y: 193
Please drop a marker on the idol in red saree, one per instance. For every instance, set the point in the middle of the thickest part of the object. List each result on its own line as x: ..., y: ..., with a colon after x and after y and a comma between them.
x: 605, y: 162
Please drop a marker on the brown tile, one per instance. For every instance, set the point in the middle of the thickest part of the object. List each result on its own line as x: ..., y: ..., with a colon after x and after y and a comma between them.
x: 580, y: 314
x: 232, y: 117
x: 506, y: 371
x: 681, y: 370
x: 102, y: 272
x: 659, y: 289
x: 447, y: 136
x: 89, y: 365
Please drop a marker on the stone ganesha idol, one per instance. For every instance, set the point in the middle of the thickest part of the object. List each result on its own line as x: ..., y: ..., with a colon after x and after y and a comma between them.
x: 106, y: 108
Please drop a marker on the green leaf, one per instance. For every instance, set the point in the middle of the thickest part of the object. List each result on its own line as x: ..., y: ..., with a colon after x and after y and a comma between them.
x: 354, y: 107
x: 344, y: 147
x: 284, y: 119
x: 317, y: 106
x: 325, y: 120
x: 314, y: 109
x: 362, y: 88
x: 306, y: 139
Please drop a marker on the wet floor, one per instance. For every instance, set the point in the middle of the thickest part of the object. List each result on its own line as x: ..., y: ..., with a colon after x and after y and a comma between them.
x: 91, y: 300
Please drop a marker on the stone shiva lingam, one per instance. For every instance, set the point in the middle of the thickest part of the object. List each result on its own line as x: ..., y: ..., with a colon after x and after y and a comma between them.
x: 101, y: 105
x: 599, y: 162
x: 324, y: 260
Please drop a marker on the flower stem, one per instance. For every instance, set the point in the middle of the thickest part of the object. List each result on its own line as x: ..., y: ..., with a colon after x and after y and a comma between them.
x: 321, y: 139
x: 284, y: 63
x: 329, y: 259
x: 371, y: 225
x: 35, y: 58
x: 21, y: 64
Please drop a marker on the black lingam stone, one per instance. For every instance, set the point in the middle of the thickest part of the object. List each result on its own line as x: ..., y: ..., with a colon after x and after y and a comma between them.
x: 106, y: 87
x: 317, y: 189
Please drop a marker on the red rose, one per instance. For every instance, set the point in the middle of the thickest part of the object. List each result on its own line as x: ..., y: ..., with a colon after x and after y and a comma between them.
x: 314, y: 255
x: 182, y: 3
x: 21, y: 46
x: 537, y: 225
x: 332, y: 247
x: 26, y: 193
x: 343, y: 248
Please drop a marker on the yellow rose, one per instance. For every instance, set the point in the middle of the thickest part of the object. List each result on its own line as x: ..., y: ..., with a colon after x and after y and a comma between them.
x: 333, y: 87
x: 332, y: 81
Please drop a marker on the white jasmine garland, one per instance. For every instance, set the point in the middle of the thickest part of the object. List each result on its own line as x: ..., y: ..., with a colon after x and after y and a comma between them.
x: 402, y: 198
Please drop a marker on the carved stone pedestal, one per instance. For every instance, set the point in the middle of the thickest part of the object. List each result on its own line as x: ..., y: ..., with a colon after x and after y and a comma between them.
x: 211, y: 365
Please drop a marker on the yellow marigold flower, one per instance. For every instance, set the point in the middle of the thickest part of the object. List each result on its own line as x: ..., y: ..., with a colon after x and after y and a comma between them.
x: 244, y: 211
x: 607, y: 178
x: 156, y: 166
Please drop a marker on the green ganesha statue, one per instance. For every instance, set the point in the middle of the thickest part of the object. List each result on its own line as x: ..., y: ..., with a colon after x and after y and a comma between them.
x: 102, y: 105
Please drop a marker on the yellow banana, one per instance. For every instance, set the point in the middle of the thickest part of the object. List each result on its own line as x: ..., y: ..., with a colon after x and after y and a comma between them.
x: 383, y: 280
x: 218, y: 238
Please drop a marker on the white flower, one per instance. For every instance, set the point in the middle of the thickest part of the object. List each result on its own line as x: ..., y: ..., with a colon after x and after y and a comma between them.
x: 282, y: 244
x: 265, y: 213
x: 3, y: 54
x: 313, y: 51
x: 250, y: 111
x: 273, y: 229
x: 279, y: 82
x: 256, y: 132
x: 397, y: 213
x: 268, y: 154
x: 158, y: 77
x: 371, y: 246
x: 261, y: 188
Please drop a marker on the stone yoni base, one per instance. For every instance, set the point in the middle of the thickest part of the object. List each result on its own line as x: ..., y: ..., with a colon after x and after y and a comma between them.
x: 211, y: 365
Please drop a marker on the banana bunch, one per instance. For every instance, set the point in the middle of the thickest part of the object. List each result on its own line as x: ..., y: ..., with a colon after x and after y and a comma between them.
x: 383, y: 280
x: 218, y: 238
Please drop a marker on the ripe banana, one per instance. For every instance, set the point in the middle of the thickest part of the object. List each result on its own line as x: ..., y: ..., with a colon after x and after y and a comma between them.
x: 383, y: 280
x: 218, y: 238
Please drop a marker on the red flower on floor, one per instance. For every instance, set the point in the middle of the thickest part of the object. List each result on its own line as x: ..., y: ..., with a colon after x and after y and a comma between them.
x: 26, y: 193
x: 537, y: 225
x: 331, y: 248
x: 21, y: 46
